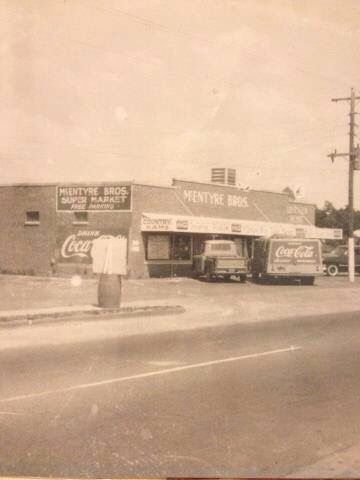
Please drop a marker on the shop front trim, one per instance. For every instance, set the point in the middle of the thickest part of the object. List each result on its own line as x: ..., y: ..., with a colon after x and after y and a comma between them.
x: 162, y: 223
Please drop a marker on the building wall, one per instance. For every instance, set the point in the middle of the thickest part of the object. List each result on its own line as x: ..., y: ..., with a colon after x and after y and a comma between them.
x: 99, y: 223
x: 301, y: 213
x: 192, y: 198
x: 150, y: 199
x: 209, y: 200
x: 27, y: 248
x: 30, y: 248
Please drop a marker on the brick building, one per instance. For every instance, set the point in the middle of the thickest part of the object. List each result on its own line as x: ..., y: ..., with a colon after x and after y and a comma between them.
x: 49, y: 228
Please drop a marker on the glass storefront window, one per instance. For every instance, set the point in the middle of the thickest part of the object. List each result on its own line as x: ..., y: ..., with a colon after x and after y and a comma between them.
x: 158, y: 247
x: 168, y: 247
x: 181, y: 247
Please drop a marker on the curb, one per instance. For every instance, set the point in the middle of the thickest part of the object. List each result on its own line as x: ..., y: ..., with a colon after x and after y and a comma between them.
x: 98, y: 314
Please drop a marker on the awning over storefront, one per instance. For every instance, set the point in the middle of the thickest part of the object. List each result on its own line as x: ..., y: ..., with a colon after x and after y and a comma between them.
x: 154, y: 222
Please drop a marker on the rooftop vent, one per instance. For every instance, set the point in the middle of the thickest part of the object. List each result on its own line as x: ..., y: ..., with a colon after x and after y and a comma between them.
x: 225, y: 176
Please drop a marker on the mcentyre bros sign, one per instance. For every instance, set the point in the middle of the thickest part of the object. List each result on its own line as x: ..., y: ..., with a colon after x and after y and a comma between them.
x: 95, y: 198
x: 75, y: 246
x: 207, y: 200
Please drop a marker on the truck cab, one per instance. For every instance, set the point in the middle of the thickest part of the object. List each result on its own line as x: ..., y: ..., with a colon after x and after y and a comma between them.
x: 219, y: 258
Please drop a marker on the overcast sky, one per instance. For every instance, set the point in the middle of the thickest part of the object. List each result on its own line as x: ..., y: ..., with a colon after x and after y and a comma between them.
x: 149, y: 90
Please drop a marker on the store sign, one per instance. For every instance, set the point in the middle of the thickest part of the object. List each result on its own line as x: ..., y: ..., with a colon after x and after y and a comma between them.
x: 215, y: 198
x: 96, y: 198
x: 224, y: 201
x: 76, y: 246
x: 152, y: 222
x: 301, y: 214
x: 172, y: 223
x: 236, y: 227
x: 182, y: 225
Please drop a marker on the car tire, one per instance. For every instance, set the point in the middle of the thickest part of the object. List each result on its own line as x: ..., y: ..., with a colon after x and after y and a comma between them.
x: 332, y: 270
x: 242, y: 278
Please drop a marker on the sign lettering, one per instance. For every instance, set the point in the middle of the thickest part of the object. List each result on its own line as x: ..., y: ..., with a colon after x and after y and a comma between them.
x: 94, y: 198
x: 303, y: 251
x: 215, y: 198
x: 306, y: 251
x: 76, y: 246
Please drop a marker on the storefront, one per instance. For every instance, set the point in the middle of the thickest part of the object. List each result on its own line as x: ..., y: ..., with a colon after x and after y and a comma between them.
x: 175, y: 239
x: 51, y: 227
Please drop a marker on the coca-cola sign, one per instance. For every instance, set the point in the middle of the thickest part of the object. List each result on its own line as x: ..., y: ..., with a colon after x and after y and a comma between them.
x: 305, y: 251
x: 76, y: 246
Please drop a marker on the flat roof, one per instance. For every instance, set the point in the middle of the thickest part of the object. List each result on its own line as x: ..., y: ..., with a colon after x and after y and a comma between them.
x: 215, y: 184
x: 144, y: 184
x: 65, y: 184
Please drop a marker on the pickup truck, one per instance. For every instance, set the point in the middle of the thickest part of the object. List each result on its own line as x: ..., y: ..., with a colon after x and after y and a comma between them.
x: 287, y: 258
x: 220, y: 259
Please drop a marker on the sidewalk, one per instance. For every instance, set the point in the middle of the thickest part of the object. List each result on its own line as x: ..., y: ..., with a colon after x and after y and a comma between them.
x: 56, y: 311
x: 35, y: 299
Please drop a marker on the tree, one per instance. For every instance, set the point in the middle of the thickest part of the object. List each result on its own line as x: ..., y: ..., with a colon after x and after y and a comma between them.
x: 330, y: 217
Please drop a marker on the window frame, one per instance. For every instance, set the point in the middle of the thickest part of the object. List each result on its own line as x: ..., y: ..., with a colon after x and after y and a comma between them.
x: 32, y: 221
x: 78, y: 221
x: 171, y: 238
x: 151, y: 235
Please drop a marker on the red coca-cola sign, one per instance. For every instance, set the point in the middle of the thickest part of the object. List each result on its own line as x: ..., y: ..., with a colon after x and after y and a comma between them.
x: 286, y: 251
x: 75, y: 247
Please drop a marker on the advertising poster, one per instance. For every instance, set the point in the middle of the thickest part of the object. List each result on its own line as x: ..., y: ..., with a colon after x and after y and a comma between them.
x: 74, y: 246
x: 296, y: 252
x: 95, y: 198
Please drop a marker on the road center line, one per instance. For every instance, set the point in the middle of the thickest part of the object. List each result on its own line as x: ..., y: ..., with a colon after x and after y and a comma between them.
x: 149, y: 374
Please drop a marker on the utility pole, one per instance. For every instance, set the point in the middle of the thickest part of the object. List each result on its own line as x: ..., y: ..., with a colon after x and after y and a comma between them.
x: 352, y: 155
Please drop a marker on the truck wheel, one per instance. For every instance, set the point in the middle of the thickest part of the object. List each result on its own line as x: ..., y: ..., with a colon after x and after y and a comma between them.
x: 208, y: 275
x: 332, y: 270
x: 307, y: 280
x: 255, y: 277
x: 242, y: 278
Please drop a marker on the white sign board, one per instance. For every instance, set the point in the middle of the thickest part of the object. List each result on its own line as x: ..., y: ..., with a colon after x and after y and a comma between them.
x: 152, y: 222
x: 109, y: 255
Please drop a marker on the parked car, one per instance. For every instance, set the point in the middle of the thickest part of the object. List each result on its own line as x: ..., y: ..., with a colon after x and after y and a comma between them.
x: 337, y: 260
x: 287, y: 258
x: 220, y: 259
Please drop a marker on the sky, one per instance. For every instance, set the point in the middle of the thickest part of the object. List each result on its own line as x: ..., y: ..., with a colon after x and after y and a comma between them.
x: 150, y: 90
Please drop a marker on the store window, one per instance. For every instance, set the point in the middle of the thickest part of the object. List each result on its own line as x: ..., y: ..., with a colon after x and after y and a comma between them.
x: 158, y: 247
x: 168, y: 247
x: 32, y: 217
x: 81, y: 217
x: 181, y: 247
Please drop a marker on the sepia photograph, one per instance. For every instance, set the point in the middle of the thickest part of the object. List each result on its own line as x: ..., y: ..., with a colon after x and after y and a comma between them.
x: 179, y: 239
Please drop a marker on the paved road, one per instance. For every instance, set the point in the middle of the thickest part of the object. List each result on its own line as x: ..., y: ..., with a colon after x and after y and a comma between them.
x: 256, y: 399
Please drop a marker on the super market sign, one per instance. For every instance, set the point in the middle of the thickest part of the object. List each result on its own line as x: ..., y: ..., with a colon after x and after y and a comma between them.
x: 96, y: 198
